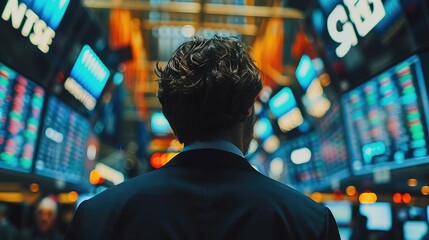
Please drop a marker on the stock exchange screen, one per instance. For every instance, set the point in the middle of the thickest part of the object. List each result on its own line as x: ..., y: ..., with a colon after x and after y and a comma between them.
x: 63, y: 143
x: 333, y: 144
x: 21, y: 103
x: 386, y: 119
x: 304, y: 161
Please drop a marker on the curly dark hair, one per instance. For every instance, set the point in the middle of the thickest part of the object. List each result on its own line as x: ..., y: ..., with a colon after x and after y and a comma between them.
x: 207, y: 87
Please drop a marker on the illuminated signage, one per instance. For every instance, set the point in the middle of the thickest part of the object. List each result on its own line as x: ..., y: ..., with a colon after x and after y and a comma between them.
x: 284, y: 107
x: 282, y: 102
x: 305, y: 72
x: 159, y: 124
x: 87, y: 78
x: 37, y: 19
x: 364, y: 14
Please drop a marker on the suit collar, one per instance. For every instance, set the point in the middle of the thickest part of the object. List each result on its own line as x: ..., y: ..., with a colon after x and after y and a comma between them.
x: 210, y: 157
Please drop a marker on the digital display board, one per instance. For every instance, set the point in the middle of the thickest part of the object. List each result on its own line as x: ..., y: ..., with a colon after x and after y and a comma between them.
x: 159, y: 124
x: 318, y: 159
x: 304, y: 164
x: 21, y: 103
x: 87, y: 78
x: 357, y: 39
x: 386, y: 119
x: 305, y: 72
x: 63, y: 143
x: 415, y: 230
x: 52, y: 12
x: 285, y: 109
x: 342, y: 211
x: 333, y: 144
x: 373, y: 211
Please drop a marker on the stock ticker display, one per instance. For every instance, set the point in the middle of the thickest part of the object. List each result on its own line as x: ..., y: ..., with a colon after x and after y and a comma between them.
x: 386, y: 119
x: 21, y: 103
x: 333, y: 144
x: 320, y: 158
x: 304, y: 161
x: 63, y: 143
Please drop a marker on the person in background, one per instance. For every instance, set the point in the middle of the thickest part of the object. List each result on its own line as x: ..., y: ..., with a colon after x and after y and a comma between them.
x: 359, y: 229
x: 7, y: 230
x: 208, y: 191
x: 46, y: 215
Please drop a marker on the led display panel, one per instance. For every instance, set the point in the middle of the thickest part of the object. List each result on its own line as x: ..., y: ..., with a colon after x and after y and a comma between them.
x: 159, y: 124
x: 386, y: 119
x: 415, y: 230
x: 285, y: 109
x: 63, y: 143
x: 342, y: 211
x: 359, y: 38
x: 21, y: 103
x: 87, y: 78
x: 373, y: 211
x: 304, y: 161
x: 318, y: 159
x: 305, y: 72
x: 333, y: 144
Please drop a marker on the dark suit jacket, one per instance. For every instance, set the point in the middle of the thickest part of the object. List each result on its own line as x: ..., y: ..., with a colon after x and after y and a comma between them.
x: 202, y: 194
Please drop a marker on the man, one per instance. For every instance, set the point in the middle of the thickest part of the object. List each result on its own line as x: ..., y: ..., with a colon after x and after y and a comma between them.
x: 7, y: 230
x: 46, y: 216
x: 208, y: 191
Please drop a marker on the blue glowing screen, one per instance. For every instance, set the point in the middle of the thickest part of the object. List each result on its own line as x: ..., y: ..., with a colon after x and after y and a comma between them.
x: 263, y: 129
x: 386, y: 119
x: 90, y: 72
x: 342, y: 211
x: 374, y: 211
x: 282, y: 102
x: 21, y: 103
x: 159, y: 124
x: 51, y: 11
x: 415, y: 229
x: 305, y: 72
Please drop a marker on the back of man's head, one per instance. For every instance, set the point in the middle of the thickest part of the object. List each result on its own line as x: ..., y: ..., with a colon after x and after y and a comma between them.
x: 207, y: 87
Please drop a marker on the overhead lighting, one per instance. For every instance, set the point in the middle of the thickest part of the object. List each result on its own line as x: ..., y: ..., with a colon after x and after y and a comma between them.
x: 412, y: 182
x: 300, y: 155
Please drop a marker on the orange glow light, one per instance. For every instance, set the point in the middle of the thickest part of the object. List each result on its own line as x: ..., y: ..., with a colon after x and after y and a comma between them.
x: 95, y: 177
x: 425, y: 190
x: 397, y: 198
x: 351, y: 191
x: 412, y: 182
x: 367, y: 197
x: 160, y: 159
x: 406, y: 198
x: 34, y: 187
x: 155, y: 160
x: 317, y: 197
x: 73, y: 196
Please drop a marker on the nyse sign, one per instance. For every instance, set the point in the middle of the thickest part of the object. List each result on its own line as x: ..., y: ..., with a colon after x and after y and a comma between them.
x: 37, y: 20
x: 363, y: 14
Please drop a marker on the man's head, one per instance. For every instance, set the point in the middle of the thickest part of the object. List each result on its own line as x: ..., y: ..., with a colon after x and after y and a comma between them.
x: 46, y: 214
x: 208, y: 87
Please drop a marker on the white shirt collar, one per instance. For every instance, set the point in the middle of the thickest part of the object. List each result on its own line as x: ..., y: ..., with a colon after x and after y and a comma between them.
x: 217, y: 144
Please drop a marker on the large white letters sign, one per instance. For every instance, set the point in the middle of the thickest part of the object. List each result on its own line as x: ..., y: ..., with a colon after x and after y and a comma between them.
x: 364, y: 14
x: 39, y: 33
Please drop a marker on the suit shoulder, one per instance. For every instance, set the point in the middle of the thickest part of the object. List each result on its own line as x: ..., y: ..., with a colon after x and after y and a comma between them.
x: 285, y: 195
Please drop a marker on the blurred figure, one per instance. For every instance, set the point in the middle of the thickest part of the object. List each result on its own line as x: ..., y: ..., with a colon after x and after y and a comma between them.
x: 46, y: 216
x: 359, y: 230
x: 209, y: 190
x: 7, y: 230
